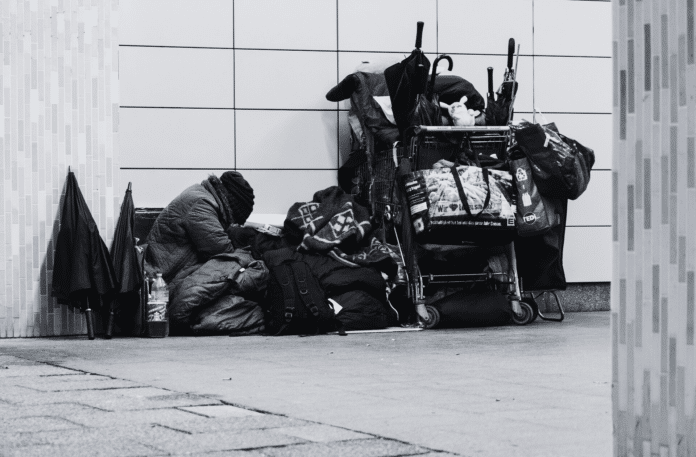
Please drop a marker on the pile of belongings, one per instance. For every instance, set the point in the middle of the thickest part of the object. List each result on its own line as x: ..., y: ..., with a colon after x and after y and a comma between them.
x: 331, y: 234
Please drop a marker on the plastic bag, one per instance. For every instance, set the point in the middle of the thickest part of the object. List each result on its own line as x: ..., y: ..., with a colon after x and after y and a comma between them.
x: 535, y: 213
x: 561, y: 166
x: 441, y: 216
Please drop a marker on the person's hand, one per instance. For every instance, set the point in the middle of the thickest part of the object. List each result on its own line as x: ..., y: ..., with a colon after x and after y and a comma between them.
x: 241, y: 237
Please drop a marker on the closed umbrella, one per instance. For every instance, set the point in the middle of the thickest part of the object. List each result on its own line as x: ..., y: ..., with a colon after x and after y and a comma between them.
x: 82, y: 269
x: 405, y: 81
x: 499, y: 110
x: 125, y: 261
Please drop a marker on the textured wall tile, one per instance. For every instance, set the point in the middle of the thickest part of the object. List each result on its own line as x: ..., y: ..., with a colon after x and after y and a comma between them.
x: 52, y: 84
x: 657, y: 72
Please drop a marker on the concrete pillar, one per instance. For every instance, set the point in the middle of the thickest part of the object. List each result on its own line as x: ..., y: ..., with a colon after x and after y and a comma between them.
x: 654, y: 228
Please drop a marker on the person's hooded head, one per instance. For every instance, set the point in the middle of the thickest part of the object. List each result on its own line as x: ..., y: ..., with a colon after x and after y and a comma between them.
x: 240, y: 195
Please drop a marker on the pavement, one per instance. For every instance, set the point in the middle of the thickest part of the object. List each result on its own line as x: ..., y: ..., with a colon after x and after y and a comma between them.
x: 534, y: 391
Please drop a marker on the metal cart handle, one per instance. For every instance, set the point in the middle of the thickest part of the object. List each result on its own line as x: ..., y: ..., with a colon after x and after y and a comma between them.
x: 418, y: 129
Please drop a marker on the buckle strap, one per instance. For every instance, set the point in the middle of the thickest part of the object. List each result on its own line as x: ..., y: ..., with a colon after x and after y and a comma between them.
x: 301, y: 281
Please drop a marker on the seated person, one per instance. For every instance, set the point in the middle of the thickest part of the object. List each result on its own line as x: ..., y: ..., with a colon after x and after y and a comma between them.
x: 190, y: 245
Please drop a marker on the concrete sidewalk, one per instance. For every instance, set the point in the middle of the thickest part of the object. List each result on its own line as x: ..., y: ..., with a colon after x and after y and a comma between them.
x: 539, y: 390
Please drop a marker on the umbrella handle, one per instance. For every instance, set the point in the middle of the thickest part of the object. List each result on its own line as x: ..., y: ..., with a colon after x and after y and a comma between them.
x: 433, y: 75
x: 419, y: 34
x: 89, y: 320
x: 490, y: 81
x: 511, y: 52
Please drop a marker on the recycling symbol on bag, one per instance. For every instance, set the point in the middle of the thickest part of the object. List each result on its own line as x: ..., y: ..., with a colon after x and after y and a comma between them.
x: 521, y: 174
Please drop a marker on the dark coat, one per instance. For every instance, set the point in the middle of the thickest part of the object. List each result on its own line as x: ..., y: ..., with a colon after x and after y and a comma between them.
x: 187, y: 233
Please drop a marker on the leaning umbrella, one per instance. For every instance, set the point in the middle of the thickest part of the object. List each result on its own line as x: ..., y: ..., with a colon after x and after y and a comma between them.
x: 126, y: 264
x: 82, y: 268
x: 499, y: 110
x: 405, y: 81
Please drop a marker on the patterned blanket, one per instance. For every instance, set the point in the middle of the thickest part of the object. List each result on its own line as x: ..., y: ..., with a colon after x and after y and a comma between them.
x: 335, y: 225
x: 331, y: 219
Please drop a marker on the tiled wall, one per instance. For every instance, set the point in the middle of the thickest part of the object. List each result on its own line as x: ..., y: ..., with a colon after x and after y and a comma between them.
x: 220, y: 84
x: 654, y: 363
x: 209, y: 86
x: 58, y: 100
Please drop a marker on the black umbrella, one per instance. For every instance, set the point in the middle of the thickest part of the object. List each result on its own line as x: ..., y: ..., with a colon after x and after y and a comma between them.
x: 82, y: 268
x: 426, y: 109
x: 499, y: 110
x: 125, y: 260
x: 405, y: 81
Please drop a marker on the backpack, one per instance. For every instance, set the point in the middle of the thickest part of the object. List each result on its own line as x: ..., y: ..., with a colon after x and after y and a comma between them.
x: 295, y: 302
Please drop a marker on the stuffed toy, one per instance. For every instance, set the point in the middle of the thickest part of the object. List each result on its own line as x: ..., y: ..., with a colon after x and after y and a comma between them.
x: 460, y: 114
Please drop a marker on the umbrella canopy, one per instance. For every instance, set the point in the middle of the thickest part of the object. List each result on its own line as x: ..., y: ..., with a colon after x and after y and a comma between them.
x: 123, y: 254
x: 405, y: 81
x: 82, y: 264
x: 499, y: 110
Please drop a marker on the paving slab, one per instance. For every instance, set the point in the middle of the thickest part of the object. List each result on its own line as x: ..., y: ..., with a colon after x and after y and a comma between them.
x: 203, y: 424
x: 364, y: 448
x: 321, y: 433
x: 201, y: 442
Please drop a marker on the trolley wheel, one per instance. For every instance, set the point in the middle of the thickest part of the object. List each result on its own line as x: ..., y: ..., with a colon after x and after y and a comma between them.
x: 535, y: 309
x: 433, y: 316
x: 527, y: 315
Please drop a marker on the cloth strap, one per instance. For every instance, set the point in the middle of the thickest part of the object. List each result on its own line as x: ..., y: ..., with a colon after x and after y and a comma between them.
x: 462, y: 194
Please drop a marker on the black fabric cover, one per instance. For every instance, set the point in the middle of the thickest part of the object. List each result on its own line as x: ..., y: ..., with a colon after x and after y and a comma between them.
x: 82, y: 264
x: 405, y: 80
x: 295, y: 302
x: 337, y: 279
x: 451, y: 88
x: 361, y: 311
x: 540, y: 258
x: 561, y: 166
x: 467, y: 308
x: 229, y: 315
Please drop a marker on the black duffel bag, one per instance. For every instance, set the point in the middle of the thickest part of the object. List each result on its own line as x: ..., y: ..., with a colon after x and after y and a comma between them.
x: 561, y: 166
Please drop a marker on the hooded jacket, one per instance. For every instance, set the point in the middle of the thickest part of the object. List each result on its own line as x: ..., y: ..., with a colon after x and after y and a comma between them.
x: 188, y: 232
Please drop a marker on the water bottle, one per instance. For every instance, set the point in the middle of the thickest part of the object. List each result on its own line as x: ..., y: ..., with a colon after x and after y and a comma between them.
x: 157, y: 316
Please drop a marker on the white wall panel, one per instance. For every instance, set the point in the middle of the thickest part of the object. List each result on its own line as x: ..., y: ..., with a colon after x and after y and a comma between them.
x: 466, y: 26
x: 287, y: 139
x: 385, y: 25
x: 284, y: 79
x: 177, y: 77
x: 572, y: 84
x: 594, y: 206
x: 276, y: 191
x: 156, y: 188
x: 177, y: 138
x: 587, y: 254
x: 592, y: 130
x: 285, y: 24
x: 572, y: 28
x: 474, y: 70
x: 176, y: 23
x: 348, y: 62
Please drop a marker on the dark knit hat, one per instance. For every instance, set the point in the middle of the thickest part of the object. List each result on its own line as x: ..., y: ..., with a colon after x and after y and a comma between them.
x: 240, y: 195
